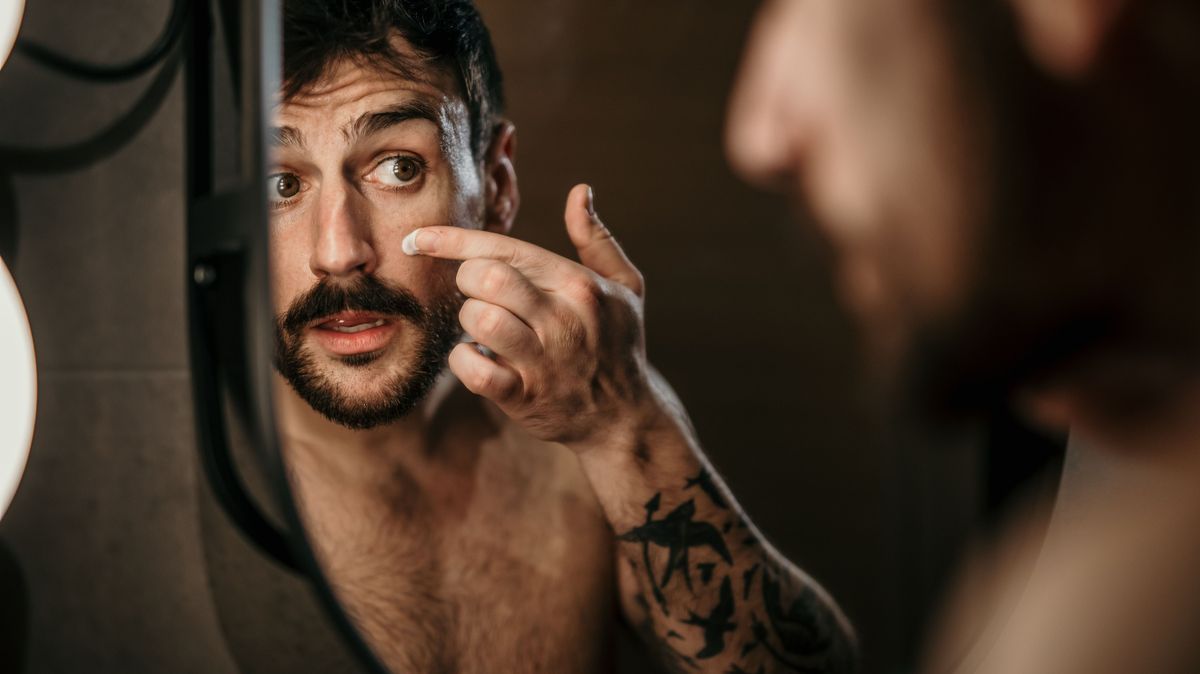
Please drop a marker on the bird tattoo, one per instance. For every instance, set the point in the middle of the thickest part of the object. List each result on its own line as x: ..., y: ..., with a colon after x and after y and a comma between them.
x: 679, y: 533
x: 716, y: 624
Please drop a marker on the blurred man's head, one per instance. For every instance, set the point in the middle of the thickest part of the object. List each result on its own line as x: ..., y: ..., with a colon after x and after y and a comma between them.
x: 389, y: 121
x: 1010, y: 187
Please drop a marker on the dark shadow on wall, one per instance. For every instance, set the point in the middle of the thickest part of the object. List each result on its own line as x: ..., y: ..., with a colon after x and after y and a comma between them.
x: 14, y: 613
x: 21, y: 160
x: 8, y: 219
x: 16, y: 160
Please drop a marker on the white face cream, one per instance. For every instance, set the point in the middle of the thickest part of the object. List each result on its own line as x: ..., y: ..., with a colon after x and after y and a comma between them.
x: 18, y: 388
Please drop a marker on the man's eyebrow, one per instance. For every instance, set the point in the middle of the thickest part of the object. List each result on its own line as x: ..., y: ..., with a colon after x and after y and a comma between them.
x: 378, y: 120
x: 287, y: 136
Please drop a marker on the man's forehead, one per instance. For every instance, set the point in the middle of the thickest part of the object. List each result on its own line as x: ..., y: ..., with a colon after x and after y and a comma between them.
x: 351, y: 84
x: 357, y: 99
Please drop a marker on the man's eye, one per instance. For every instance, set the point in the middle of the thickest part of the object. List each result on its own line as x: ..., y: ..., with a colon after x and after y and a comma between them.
x: 282, y: 186
x: 398, y: 171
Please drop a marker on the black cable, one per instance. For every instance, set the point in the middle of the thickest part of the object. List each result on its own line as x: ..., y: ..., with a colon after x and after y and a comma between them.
x: 17, y: 159
x: 111, y: 72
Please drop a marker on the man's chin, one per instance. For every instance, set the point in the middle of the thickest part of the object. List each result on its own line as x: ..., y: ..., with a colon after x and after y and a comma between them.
x: 359, y: 392
x: 357, y: 408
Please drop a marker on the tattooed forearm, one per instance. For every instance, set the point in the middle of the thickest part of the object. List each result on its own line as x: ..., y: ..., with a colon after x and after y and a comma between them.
x: 707, y: 592
x: 763, y: 616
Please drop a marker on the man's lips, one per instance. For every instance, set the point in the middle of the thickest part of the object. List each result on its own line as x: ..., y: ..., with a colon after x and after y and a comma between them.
x: 352, y: 333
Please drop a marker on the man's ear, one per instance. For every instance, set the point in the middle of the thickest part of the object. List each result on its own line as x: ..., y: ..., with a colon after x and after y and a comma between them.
x: 500, y: 180
x: 1067, y: 36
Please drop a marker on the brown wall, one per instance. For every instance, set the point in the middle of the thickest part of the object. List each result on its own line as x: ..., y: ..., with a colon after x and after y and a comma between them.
x: 104, y: 530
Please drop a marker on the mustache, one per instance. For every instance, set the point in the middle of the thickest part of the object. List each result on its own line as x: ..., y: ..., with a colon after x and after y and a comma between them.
x: 366, y: 294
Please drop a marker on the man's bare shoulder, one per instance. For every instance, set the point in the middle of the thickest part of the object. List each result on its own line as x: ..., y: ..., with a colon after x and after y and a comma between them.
x: 463, y: 418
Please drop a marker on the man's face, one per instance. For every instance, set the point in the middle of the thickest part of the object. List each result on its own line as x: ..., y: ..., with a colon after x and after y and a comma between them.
x: 853, y: 106
x: 362, y: 159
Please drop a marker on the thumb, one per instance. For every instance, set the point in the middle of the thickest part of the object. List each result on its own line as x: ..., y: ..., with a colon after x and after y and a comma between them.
x: 597, y: 248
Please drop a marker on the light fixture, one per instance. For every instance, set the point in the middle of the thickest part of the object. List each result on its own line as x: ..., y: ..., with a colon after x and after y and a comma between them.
x: 10, y: 22
x: 18, y: 371
x: 18, y: 388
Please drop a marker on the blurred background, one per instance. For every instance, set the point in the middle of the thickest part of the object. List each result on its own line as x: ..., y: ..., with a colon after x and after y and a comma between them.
x: 113, y: 557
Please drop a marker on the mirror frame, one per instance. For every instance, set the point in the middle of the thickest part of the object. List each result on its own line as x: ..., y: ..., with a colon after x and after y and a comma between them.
x: 231, y: 325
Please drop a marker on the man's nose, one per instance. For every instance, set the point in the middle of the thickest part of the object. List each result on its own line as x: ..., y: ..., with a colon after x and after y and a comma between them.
x: 763, y: 131
x: 344, y: 245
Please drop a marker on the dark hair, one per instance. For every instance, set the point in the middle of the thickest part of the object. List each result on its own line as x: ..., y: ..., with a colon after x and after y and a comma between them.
x: 444, y: 33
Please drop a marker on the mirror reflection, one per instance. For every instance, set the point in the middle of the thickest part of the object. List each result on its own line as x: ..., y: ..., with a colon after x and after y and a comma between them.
x: 478, y: 429
x: 468, y: 417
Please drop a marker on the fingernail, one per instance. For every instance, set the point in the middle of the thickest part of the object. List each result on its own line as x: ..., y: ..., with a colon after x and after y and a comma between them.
x: 591, y: 201
x: 409, y: 244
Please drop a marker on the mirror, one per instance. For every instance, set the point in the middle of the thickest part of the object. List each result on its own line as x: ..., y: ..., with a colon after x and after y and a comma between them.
x: 445, y: 530
x: 452, y: 537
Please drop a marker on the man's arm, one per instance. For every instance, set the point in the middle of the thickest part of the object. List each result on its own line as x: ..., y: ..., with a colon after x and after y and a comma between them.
x: 697, y: 579
x: 567, y: 361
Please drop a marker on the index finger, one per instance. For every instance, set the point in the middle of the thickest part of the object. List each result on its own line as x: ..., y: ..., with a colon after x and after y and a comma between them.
x: 456, y: 243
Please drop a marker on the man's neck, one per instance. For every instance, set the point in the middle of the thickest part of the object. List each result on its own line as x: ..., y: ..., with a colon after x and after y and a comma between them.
x: 312, y: 441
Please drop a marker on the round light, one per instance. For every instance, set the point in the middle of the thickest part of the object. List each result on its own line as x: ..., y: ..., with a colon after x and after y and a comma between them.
x: 18, y: 388
x: 10, y: 23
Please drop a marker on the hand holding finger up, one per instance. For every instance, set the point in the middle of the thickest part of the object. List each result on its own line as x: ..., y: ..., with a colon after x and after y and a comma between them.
x: 569, y: 359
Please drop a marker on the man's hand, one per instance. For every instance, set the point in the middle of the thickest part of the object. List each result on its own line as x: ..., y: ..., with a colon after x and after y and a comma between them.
x: 694, y: 576
x: 569, y: 358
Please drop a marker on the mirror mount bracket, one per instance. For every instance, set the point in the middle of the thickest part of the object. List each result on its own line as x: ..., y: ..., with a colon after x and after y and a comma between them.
x: 219, y: 310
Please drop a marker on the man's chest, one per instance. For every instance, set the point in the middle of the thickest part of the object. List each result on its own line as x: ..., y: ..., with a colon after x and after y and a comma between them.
x: 535, y: 597
x: 513, y: 574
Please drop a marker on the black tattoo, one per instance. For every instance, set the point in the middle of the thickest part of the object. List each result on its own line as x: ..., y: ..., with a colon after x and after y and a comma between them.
x: 799, y: 635
x: 679, y: 533
x: 748, y: 581
x: 674, y: 661
x: 652, y: 507
x: 760, y: 636
x: 804, y: 629
x: 705, y: 482
x: 716, y: 624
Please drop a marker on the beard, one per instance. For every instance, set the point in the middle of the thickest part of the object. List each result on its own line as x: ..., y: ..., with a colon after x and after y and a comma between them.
x: 1085, y: 272
x: 437, y: 325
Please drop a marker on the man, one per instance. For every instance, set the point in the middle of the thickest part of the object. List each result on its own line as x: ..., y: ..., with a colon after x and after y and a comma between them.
x: 495, y: 532
x: 1011, y: 189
